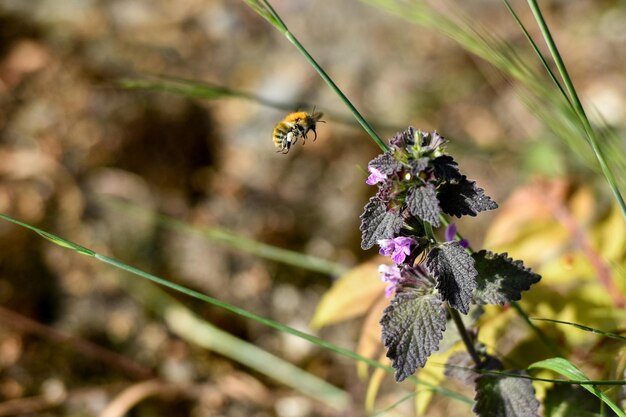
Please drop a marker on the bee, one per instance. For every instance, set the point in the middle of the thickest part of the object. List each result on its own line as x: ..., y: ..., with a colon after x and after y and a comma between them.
x: 294, y: 126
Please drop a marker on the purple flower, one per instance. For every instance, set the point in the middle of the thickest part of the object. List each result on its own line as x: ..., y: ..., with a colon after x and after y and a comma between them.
x: 391, y: 275
x: 404, y: 139
x: 450, y: 235
x: 398, y: 247
x: 432, y: 141
x: 375, y: 176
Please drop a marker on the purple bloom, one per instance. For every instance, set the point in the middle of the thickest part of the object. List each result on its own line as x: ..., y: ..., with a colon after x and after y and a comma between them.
x: 403, y: 139
x: 451, y: 233
x: 398, y: 247
x: 375, y: 176
x: 432, y: 141
x: 391, y: 275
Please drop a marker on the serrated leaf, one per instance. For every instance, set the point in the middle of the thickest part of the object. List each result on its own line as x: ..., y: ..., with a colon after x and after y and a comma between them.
x: 585, y: 328
x: 378, y: 223
x: 446, y: 168
x: 422, y: 202
x: 500, y: 279
x: 412, y: 327
x: 386, y: 164
x: 463, y: 198
x: 505, y: 396
x: 351, y: 295
x: 454, y: 270
x: 569, y: 370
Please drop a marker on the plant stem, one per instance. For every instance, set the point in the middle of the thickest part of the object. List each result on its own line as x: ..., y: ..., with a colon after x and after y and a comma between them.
x: 578, y: 108
x: 467, y: 341
x: 290, y: 36
x: 364, y: 124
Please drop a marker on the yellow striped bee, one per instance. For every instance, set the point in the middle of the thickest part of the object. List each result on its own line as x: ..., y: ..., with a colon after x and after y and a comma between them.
x: 293, y: 126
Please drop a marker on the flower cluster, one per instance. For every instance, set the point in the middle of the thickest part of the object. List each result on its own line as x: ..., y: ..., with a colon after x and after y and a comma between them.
x: 418, y: 184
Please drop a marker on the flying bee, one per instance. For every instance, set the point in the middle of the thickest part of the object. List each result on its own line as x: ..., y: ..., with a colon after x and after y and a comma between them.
x: 294, y: 126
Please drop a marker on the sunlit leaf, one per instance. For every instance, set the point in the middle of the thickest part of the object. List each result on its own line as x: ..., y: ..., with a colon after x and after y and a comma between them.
x: 454, y: 270
x: 386, y: 163
x: 350, y: 296
x: 422, y: 202
x: 369, y: 343
x: 373, y: 387
x: 412, y: 325
x: 378, y: 222
x: 500, y: 279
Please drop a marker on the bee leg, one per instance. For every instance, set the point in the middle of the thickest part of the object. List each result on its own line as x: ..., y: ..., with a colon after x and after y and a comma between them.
x: 315, y: 133
x: 291, y: 139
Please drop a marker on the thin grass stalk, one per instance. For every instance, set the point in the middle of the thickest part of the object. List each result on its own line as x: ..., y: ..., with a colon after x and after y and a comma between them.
x: 229, y: 307
x: 552, y: 108
x: 577, y: 105
x: 189, y: 326
x: 206, y: 91
x: 233, y: 240
x: 537, y: 51
x: 291, y: 37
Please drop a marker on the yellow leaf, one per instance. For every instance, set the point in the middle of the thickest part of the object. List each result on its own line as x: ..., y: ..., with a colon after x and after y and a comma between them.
x: 432, y: 373
x: 372, y: 389
x: 350, y: 296
x: 369, y: 341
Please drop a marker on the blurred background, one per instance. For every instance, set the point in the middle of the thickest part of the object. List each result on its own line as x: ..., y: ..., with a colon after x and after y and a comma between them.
x: 75, y: 333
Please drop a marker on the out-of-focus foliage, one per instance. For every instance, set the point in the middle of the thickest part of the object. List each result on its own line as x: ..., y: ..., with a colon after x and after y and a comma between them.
x: 352, y: 295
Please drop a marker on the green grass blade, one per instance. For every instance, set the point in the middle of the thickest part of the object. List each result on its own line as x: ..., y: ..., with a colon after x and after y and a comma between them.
x: 566, y: 368
x: 591, y: 134
x: 290, y: 36
x: 189, y: 88
x: 533, y: 44
x: 194, y: 329
x: 540, y: 334
x: 233, y: 309
x: 585, y: 328
x: 266, y: 13
x: 402, y: 400
x: 232, y: 240
x: 207, y: 91
x: 574, y: 381
x: 553, y: 109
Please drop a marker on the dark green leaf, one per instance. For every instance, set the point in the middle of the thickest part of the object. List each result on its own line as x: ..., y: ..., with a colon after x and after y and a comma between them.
x: 463, y: 197
x: 422, y: 203
x: 454, y: 270
x: 386, y: 164
x: 500, y: 279
x: 505, y: 396
x: 413, y: 325
x: 378, y: 223
x: 446, y: 168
